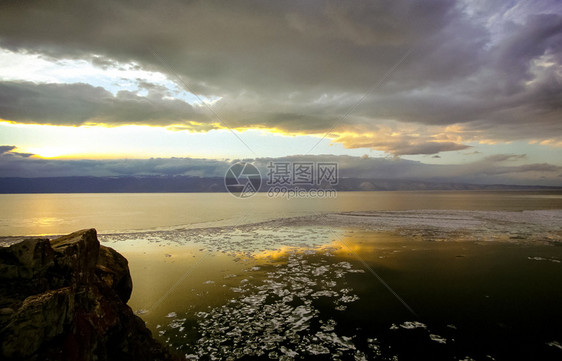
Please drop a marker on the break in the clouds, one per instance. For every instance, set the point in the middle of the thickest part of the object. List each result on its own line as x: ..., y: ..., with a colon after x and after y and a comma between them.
x: 497, y: 169
x: 405, y: 77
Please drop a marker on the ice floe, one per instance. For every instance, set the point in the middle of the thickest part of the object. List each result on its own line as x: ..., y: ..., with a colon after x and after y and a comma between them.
x: 437, y: 338
x: 409, y: 325
x: 277, y: 317
x: 553, y: 260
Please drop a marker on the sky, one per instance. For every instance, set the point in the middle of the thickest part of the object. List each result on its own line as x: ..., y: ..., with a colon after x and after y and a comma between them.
x: 461, y: 90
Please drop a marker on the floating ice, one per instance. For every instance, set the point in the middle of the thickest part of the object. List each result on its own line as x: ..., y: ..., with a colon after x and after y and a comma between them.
x: 277, y: 317
x: 315, y: 349
x: 410, y: 325
x: 318, y: 271
x: 348, y: 298
x: 177, y: 323
x: 437, y: 338
x: 554, y: 260
x: 324, y: 293
x: 327, y: 325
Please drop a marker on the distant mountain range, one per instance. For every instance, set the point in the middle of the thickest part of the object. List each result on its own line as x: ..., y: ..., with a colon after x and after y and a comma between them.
x: 159, y: 184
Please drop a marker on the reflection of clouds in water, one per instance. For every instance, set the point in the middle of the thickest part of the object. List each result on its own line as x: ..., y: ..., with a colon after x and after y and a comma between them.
x: 264, y: 243
x: 253, y: 241
x: 274, y: 238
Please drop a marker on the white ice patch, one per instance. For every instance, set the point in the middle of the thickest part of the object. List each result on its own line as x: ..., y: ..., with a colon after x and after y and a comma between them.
x: 348, y: 298
x: 177, y: 323
x: 324, y: 293
x: 437, y: 338
x: 410, y: 325
x: 319, y: 271
x: 327, y: 325
x: 554, y: 260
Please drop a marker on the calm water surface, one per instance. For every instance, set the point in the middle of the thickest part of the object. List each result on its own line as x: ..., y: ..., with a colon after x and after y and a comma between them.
x: 44, y: 214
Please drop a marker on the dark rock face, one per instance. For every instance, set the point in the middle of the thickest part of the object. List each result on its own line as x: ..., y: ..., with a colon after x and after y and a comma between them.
x: 65, y: 299
x: 113, y: 269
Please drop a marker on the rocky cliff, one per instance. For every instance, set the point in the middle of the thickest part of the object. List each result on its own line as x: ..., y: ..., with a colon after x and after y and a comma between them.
x: 66, y: 299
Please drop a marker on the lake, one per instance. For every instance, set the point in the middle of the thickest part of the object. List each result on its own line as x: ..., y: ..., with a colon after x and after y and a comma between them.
x: 367, y: 275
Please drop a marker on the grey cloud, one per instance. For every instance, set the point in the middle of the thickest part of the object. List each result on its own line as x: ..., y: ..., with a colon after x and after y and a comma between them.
x: 76, y: 104
x: 505, y: 157
x: 478, y: 172
x: 398, y: 145
x: 6, y: 148
x: 300, y: 66
x: 8, y: 151
x: 541, y: 34
x: 430, y: 148
x: 538, y: 167
x: 17, y: 154
x: 481, y: 172
x: 40, y: 167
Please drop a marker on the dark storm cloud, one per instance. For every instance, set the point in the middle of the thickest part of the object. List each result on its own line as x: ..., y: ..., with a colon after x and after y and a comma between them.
x: 299, y: 66
x: 76, y: 104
